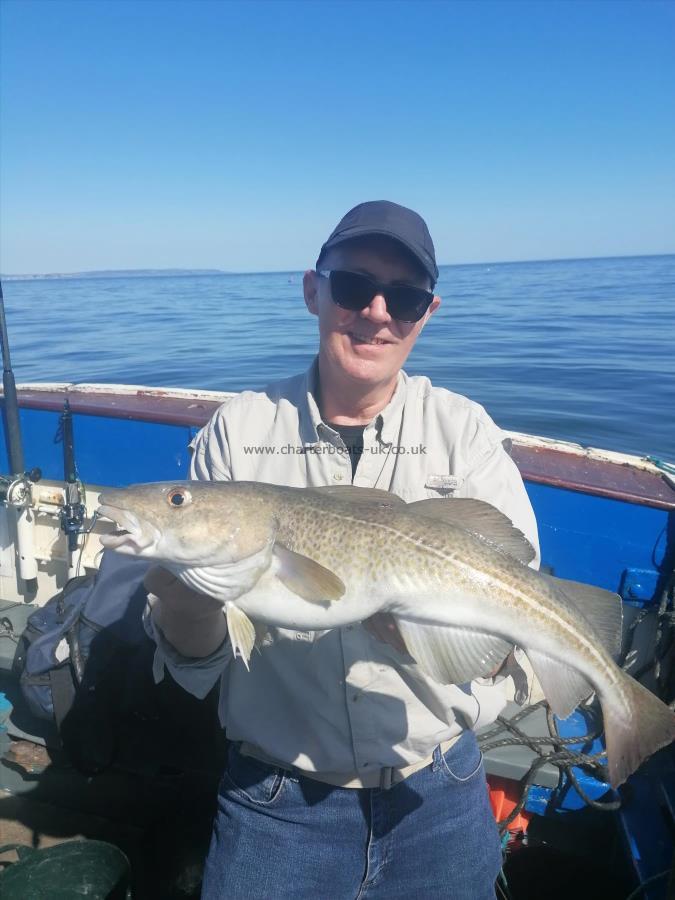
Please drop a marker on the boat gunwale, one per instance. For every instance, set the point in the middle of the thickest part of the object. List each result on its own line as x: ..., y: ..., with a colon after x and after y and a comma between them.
x: 541, y: 460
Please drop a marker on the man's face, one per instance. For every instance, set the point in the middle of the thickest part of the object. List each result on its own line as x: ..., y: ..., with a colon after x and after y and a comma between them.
x: 367, y: 346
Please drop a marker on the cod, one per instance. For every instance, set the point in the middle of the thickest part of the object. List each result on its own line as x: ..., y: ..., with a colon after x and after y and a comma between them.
x: 452, y: 573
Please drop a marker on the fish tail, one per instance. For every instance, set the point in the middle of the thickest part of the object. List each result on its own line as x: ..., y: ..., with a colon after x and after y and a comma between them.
x: 635, y: 728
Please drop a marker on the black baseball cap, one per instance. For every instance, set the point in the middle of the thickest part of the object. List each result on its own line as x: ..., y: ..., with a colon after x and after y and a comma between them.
x: 391, y: 220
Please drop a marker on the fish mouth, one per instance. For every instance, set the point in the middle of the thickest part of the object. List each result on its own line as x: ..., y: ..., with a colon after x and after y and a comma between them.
x: 132, y: 535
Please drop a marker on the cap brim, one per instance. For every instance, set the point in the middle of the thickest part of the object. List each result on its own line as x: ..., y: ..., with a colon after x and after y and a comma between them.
x: 429, y: 267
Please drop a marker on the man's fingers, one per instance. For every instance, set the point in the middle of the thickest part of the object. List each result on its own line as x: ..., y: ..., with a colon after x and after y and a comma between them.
x: 164, y: 585
x: 383, y: 627
x: 169, y: 589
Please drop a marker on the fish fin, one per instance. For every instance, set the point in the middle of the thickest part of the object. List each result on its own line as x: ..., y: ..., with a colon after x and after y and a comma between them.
x: 306, y: 578
x: 482, y: 519
x: 602, y: 609
x: 631, y: 737
x: 563, y: 687
x: 452, y: 655
x: 241, y: 632
x: 357, y: 494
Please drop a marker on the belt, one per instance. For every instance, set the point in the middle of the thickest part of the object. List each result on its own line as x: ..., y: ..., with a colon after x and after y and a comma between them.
x: 379, y: 778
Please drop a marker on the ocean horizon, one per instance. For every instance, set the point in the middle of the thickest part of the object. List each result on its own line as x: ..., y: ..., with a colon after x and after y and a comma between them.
x: 205, y: 272
x: 573, y: 349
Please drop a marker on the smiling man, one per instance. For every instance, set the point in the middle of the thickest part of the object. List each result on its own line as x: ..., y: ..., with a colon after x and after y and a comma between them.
x: 349, y: 775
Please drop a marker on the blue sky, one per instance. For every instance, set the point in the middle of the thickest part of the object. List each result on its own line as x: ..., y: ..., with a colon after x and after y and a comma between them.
x: 234, y: 135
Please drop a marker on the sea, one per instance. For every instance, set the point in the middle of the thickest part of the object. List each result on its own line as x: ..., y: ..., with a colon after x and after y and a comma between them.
x: 580, y: 350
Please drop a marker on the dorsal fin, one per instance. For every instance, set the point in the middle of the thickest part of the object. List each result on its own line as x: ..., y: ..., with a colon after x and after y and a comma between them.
x: 357, y: 494
x: 480, y: 518
x: 602, y: 609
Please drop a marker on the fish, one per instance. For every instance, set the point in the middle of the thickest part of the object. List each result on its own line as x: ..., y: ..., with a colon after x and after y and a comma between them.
x: 452, y: 574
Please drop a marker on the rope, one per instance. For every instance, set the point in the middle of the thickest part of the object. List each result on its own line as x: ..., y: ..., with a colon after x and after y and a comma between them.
x: 641, y: 887
x: 663, y: 642
x: 661, y: 464
x: 550, y: 750
x: 7, y: 629
x: 555, y: 750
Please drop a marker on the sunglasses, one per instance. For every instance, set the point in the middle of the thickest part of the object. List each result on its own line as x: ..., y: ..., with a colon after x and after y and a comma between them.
x: 351, y: 290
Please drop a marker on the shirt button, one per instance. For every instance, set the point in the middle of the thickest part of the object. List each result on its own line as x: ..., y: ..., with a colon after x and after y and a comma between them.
x: 355, y: 697
x: 337, y: 476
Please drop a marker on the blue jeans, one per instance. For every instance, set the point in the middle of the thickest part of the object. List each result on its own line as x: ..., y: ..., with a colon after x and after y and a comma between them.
x: 277, y: 835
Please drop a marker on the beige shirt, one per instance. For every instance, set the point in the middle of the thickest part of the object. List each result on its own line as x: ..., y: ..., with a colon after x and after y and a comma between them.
x: 335, y: 701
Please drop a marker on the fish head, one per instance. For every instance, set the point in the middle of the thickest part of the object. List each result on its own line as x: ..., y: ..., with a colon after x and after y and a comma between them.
x: 191, y: 523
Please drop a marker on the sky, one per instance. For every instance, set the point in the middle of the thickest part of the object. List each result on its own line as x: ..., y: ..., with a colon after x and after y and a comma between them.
x: 232, y: 135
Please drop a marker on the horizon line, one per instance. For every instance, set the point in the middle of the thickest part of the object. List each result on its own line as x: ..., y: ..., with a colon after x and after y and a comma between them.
x: 206, y: 271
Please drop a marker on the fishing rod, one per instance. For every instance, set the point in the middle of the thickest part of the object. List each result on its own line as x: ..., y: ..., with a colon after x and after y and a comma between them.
x: 72, y: 513
x: 11, y: 404
x: 18, y: 486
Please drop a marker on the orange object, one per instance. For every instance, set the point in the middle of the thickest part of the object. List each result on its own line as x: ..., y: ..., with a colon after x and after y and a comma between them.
x: 504, y: 797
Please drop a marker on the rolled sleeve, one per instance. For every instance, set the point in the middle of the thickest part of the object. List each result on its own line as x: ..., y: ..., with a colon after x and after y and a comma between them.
x: 196, y: 675
x: 210, y: 450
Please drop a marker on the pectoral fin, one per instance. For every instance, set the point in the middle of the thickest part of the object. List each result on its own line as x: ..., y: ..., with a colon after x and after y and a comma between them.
x: 241, y: 632
x: 306, y: 578
x: 452, y: 655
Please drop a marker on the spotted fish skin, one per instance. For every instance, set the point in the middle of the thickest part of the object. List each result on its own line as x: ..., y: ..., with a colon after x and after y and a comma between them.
x: 453, y: 574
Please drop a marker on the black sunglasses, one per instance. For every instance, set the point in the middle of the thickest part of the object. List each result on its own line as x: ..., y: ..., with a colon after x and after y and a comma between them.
x: 352, y: 290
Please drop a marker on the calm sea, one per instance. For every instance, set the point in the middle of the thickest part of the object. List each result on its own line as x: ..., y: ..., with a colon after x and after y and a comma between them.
x: 582, y: 350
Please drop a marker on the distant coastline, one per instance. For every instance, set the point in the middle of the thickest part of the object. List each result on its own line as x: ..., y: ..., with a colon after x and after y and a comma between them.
x: 192, y: 273
x: 118, y: 273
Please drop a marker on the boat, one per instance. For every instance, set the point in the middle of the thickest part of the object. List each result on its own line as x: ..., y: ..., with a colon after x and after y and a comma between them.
x: 605, y: 518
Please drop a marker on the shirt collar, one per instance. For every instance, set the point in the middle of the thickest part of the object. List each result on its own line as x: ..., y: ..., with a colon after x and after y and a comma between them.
x: 387, y: 423
x: 312, y: 427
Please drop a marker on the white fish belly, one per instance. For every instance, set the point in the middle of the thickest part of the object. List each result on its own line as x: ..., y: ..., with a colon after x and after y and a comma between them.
x: 271, y: 602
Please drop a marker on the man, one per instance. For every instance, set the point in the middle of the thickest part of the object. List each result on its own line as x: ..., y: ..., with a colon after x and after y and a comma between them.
x: 347, y: 776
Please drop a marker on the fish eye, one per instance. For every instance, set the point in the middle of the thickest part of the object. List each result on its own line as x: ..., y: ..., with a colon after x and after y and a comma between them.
x: 178, y: 496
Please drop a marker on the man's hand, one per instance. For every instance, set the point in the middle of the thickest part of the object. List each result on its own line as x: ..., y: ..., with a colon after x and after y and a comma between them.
x: 383, y: 627
x: 191, y: 622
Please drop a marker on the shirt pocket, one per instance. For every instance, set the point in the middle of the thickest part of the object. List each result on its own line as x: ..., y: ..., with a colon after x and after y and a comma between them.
x: 442, y: 485
x: 428, y: 488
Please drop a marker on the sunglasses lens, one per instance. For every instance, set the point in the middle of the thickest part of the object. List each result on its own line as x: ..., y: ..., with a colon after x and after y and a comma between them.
x: 350, y: 290
x: 407, y: 304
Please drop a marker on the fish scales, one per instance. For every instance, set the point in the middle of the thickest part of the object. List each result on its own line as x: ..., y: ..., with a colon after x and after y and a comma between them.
x: 367, y: 541
x: 453, y: 575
